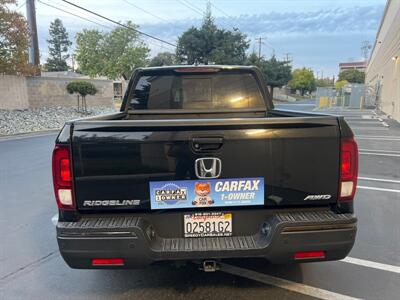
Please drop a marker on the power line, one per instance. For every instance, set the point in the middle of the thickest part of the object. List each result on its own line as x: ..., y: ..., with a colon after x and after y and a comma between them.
x: 79, y: 12
x: 80, y: 17
x: 120, y: 24
x: 196, y: 10
x: 145, y: 11
x: 95, y: 18
x: 195, y: 6
x: 22, y: 5
x: 91, y: 21
x: 220, y: 10
x: 224, y: 13
x: 233, y: 25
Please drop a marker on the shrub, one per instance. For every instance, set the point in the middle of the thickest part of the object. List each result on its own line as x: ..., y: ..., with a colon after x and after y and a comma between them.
x: 81, y: 88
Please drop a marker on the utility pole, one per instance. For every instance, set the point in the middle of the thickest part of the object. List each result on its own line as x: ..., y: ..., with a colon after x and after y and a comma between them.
x: 260, y: 42
x: 33, y: 50
x: 73, y: 62
x: 288, y: 58
x: 365, y: 47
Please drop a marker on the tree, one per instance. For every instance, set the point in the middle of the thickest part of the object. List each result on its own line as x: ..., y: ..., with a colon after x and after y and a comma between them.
x: 208, y: 44
x: 58, y: 47
x: 277, y: 73
x: 340, y: 84
x: 89, y: 52
x: 323, y: 82
x: 113, y: 54
x: 81, y: 88
x: 254, y: 60
x: 163, y: 59
x: 352, y: 76
x: 303, y: 80
x: 14, y: 39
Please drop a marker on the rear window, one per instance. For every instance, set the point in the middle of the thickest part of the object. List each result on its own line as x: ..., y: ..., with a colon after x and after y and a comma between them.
x: 170, y: 90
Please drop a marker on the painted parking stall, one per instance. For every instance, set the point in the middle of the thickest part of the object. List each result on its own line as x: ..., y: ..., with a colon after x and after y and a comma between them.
x: 371, y: 271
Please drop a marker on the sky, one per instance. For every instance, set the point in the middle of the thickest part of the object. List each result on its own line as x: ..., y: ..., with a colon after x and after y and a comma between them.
x: 317, y: 34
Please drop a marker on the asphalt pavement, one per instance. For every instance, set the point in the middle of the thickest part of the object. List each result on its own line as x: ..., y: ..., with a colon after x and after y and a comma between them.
x: 31, y: 267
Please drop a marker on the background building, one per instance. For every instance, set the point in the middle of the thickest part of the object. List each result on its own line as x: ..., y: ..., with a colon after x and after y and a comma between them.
x: 358, y: 65
x: 383, y: 70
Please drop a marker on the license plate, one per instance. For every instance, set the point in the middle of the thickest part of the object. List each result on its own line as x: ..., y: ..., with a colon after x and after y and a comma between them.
x: 208, y: 224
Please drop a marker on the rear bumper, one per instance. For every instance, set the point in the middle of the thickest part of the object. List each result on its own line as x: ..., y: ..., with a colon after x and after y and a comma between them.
x: 134, y: 239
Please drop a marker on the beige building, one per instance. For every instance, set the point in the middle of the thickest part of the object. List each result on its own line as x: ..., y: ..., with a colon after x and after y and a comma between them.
x: 383, y: 70
x: 358, y: 65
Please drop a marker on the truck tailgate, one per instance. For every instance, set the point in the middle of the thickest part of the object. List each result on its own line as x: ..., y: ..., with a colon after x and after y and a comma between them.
x: 114, y: 162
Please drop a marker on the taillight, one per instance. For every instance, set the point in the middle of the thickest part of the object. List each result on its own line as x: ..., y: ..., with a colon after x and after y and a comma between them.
x: 108, y: 262
x: 348, y: 169
x: 62, y: 177
x: 309, y: 255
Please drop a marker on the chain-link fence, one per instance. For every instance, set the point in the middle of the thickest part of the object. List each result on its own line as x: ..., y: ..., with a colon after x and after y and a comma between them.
x: 353, y: 95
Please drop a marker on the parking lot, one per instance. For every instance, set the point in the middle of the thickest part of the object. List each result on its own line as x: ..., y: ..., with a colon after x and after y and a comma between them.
x: 31, y: 267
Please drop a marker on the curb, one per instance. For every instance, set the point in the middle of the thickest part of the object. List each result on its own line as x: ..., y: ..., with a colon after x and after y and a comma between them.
x: 24, y: 135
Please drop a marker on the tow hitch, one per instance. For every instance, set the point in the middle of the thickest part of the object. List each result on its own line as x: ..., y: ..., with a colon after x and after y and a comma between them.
x: 209, y: 266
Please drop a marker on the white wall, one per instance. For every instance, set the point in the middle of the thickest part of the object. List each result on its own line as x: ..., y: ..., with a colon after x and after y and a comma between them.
x: 13, y: 92
x: 383, y: 73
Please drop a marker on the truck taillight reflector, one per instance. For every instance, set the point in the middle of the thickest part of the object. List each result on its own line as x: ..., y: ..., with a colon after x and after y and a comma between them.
x: 65, y: 170
x: 348, y: 169
x: 309, y: 255
x: 62, y: 177
x: 108, y: 262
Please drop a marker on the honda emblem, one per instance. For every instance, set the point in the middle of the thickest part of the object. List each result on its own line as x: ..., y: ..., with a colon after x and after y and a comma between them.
x: 208, y: 167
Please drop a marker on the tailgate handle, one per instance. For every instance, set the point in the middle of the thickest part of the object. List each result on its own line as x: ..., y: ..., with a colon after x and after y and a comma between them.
x: 207, y: 143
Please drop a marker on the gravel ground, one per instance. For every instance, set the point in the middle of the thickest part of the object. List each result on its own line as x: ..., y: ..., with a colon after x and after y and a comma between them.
x: 31, y: 120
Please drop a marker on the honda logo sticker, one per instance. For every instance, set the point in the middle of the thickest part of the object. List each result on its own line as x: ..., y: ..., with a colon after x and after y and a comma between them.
x: 208, y: 167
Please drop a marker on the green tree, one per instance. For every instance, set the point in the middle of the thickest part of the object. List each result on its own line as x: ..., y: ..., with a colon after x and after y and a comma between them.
x: 303, y: 80
x: 254, y: 60
x: 112, y: 54
x: 14, y: 38
x: 89, y: 52
x: 352, y: 76
x: 58, y: 47
x: 323, y: 82
x: 81, y: 88
x: 340, y: 84
x: 277, y: 73
x: 208, y: 44
x: 163, y: 59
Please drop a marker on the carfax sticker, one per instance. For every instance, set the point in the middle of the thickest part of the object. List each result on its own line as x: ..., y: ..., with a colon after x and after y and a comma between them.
x: 207, y: 193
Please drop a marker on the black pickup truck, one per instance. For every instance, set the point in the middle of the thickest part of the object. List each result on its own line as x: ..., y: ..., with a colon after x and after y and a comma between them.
x: 199, y: 166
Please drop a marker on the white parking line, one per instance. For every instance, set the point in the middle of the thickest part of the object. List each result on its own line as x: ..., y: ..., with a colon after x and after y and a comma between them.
x: 379, y: 179
x: 21, y: 136
x: 372, y: 264
x: 379, y: 124
x: 283, y: 283
x: 377, y: 139
x: 377, y: 189
x: 379, y: 154
x: 374, y: 150
x: 396, y: 137
x: 369, y: 128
